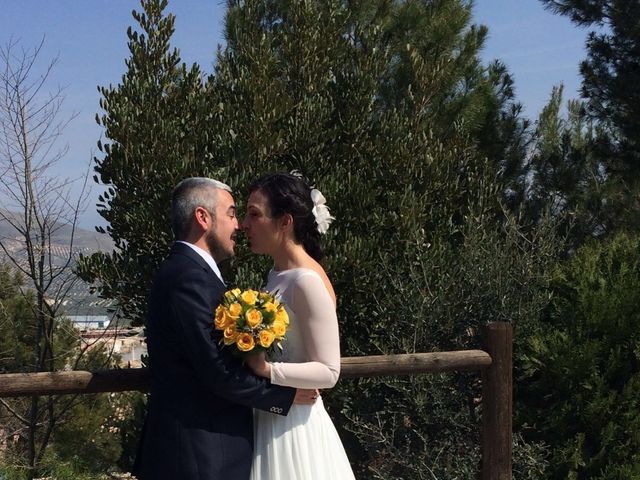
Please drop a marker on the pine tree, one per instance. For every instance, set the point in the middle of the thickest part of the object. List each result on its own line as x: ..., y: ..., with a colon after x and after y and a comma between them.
x: 609, y: 78
x: 567, y: 177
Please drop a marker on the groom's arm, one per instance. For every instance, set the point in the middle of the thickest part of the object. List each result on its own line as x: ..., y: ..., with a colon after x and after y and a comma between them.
x: 218, y: 371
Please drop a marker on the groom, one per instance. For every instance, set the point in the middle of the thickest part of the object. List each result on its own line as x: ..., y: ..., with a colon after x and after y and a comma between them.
x: 199, y: 424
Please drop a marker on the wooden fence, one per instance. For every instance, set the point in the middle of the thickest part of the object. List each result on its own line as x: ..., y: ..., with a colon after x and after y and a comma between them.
x: 494, y: 361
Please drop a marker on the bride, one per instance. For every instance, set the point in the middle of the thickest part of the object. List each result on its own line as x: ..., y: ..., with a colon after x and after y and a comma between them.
x: 284, y: 220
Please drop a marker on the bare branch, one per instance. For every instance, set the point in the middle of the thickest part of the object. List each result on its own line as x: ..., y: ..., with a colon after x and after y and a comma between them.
x: 38, y: 206
x: 13, y: 412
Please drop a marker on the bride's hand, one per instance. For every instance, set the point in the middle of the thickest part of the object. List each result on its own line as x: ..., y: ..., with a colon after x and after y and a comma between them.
x: 259, y: 365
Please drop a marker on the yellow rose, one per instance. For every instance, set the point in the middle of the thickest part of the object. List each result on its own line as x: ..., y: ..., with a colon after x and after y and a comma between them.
x: 254, y: 317
x: 249, y: 297
x: 230, y: 335
x: 235, y: 309
x: 245, y: 342
x: 221, y: 321
x: 264, y: 296
x: 266, y: 338
x: 231, y: 295
x: 282, y: 316
x: 278, y: 328
x: 270, y: 307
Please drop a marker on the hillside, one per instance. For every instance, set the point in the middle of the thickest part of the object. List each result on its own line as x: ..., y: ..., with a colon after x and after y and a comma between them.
x: 85, y: 241
x: 79, y: 300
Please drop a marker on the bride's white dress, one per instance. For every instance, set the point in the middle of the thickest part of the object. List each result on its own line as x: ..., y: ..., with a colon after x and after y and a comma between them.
x: 304, y: 445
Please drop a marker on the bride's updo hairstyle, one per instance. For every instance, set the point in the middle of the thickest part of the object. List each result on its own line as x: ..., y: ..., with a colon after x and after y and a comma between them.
x: 290, y: 194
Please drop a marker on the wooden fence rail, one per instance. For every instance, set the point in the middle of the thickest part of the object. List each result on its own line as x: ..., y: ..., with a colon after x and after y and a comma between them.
x: 495, y: 363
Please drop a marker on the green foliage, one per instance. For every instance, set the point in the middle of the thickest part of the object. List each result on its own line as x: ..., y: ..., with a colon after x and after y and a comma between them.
x: 386, y: 108
x: 610, y: 74
x: 97, y: 437
x: 19, y: 327
x: 504, y: 136
x: 580, y: 380
x: 162, y: 123
x: 566, y: 173
x: 418, y: 253
x: 80, y: 434
x: 611, y: 67
x: 156, y: 125
x: 58, y: 471
x: 437, y: 299
x: 16, y: 322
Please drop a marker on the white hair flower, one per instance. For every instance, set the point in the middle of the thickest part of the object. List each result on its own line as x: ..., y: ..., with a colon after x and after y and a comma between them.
x: 321, y: 211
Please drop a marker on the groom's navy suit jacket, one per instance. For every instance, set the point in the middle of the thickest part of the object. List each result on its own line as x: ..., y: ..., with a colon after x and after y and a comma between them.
x: 199, y: 424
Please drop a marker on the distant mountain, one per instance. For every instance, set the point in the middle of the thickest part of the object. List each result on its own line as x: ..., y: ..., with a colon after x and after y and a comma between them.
x: 84, y: 241
x: 78, y: 301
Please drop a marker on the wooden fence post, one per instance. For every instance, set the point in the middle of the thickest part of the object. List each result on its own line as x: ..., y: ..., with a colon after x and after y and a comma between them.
x: 497, y: 399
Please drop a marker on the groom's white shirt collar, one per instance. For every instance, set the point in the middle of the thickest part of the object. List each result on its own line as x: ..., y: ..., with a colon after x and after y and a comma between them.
x: 206, y: 257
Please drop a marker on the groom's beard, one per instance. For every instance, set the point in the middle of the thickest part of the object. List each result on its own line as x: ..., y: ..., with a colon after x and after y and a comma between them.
x: 217, y: 248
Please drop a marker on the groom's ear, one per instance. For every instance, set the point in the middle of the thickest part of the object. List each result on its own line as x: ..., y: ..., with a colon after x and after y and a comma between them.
x: 202, y: 217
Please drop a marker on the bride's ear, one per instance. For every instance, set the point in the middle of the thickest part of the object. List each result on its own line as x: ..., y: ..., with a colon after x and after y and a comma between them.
x: 286, y: 222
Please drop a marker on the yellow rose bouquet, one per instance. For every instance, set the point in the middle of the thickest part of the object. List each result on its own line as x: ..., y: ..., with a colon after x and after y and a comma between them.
x: 251, y: 321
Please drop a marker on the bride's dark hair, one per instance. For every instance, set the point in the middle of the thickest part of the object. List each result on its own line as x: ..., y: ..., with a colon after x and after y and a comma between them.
x: 290, y: 194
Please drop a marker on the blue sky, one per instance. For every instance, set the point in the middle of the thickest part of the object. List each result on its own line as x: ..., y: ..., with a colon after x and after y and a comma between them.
x: 89, y: 37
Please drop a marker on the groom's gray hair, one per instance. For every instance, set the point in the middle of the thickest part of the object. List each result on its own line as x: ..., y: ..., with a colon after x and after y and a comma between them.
x: 188, y: 195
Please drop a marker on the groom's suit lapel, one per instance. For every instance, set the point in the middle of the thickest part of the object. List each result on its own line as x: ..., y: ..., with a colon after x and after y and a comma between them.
x: 185, y: 250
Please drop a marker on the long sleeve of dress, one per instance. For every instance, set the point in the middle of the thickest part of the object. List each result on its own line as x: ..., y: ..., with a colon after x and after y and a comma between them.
x: 315, y: 311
